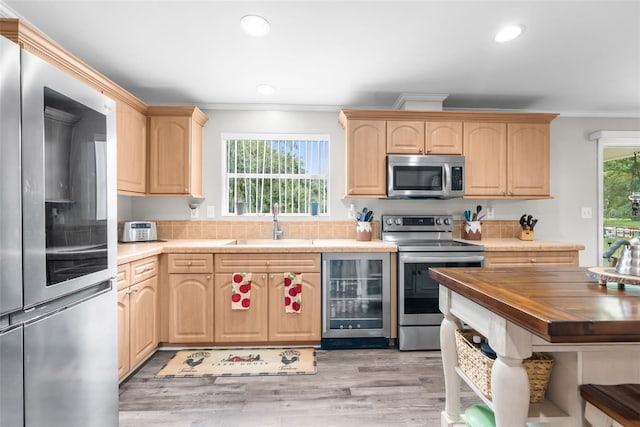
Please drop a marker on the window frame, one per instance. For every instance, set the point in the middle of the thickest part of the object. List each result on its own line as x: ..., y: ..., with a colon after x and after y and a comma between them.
x: 262, y: 136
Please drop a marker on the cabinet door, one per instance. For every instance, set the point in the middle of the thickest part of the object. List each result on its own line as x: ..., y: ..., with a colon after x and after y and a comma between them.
x: 169, y: 155
x: 528, y: 159
x: 239, y: 326
x: 290, y: 327
x: 443, y: 137
x: 190, y: 308
x: 485, y: 150
x: 366, y: 158
x: 405, y: 137
x: 132, y: 149
x: 144, y: 320
x: 123, y: 333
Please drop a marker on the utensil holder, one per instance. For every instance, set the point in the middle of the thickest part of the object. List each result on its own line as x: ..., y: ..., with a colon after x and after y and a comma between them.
x: 363, y: 231
x: 526, y: 235
x: 472, y: 230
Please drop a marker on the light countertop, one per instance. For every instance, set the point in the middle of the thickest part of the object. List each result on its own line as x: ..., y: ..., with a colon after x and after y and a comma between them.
x: 503, y: 245
x: 128, y: 252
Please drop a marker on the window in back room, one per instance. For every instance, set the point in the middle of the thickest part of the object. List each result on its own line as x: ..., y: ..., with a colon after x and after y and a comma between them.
x: 264, y: 169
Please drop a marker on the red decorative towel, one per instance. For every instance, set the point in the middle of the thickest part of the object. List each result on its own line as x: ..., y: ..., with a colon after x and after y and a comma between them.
x: 292, y: 292
x: 240, y: 291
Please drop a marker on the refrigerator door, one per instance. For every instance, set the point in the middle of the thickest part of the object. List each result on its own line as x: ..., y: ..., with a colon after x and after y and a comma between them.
x: 11, y: 409
x: 68, y: 183
x: 70, y: 365
x: 10, y: 199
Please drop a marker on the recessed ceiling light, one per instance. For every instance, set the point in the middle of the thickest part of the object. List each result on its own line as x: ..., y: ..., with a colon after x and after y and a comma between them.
x: 509, y: 33
x: 255, y: 25
x: 265, y: 89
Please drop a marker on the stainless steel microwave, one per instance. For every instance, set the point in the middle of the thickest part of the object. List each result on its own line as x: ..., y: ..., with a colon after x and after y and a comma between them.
x: 422, y: 177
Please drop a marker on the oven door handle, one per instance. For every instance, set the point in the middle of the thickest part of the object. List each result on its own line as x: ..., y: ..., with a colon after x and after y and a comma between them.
x: 427, y: 259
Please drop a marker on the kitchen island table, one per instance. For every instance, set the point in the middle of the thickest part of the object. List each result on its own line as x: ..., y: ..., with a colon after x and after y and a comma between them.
x: 591, y: 331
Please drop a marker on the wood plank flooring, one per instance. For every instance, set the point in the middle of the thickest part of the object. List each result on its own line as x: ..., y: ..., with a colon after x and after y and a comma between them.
x: 351, y: 388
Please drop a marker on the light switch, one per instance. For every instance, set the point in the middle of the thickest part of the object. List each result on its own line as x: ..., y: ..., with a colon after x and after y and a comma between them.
x: 586, y: 213
x: 211, y: 211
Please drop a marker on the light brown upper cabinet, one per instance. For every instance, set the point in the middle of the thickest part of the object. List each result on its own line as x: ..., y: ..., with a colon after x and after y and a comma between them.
x: 366, y: 157
x: 175, y: 150
x: 405, y: 137
x: 132, y: 149
x: 443, y: 137
x: 528, y: 159
x: 506, y: 160
x: 485, y: 151
x: 420, y: 137
x: 506, y: 154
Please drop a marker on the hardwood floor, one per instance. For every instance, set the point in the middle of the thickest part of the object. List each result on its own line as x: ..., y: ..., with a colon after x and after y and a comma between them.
x: 351, y: 388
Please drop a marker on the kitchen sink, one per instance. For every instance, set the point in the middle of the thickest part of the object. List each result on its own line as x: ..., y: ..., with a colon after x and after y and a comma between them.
x: 271, y: 242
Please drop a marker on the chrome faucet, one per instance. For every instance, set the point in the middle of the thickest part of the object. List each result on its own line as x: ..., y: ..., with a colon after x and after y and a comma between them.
x: 276, y: 233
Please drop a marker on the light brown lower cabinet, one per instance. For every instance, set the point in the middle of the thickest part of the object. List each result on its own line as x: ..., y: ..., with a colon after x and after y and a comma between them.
x: 266, y: 320
x: 190, y: 308
x: 530, y: 258
x: 241, y: 326
x: 137, y: 315
x: 137, y: 323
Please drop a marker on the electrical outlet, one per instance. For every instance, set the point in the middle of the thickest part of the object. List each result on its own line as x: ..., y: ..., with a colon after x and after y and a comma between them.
x: 586, y: 213
x: 195, y: 213
x: 491, y: 213
x: 211, y: 211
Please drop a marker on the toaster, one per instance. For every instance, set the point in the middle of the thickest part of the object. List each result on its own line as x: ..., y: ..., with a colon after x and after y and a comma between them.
x: 138, y: 231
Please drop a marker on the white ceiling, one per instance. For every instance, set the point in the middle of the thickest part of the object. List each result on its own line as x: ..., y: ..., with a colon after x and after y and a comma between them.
x: 575, y: 57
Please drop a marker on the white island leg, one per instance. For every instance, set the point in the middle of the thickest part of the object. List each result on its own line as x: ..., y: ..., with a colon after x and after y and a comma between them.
x: 451, y: 414
x: 510, y: 392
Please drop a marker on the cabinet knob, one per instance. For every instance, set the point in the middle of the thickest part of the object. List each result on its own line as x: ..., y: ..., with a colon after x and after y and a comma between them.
x: 267, y: 262
x: 419, y: 150
x: 533, y: 260
x: 271, y: 277
x: 134, y: 289
x: 264, y: 276
x: 208, y: 277
x: 189, y: 263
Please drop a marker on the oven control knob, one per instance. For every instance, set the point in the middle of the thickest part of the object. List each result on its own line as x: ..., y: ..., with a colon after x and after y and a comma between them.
x: 398, y: 221
x: 447, y: 221
x: 389, y: 221
x: 438, y: 221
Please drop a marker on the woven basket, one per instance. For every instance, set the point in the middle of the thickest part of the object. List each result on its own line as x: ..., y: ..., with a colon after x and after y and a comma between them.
x: 477, y: 367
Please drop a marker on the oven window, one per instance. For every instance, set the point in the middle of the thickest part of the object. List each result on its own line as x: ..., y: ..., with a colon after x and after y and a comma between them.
x: 417, y: 178
x: 420, y: 290
x: 75, y: 188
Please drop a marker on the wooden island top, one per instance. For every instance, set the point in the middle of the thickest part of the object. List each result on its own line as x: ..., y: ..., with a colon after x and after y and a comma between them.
x: 558, y: 304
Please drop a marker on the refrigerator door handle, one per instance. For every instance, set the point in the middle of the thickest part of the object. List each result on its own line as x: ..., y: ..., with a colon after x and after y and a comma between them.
x: 325, y: 299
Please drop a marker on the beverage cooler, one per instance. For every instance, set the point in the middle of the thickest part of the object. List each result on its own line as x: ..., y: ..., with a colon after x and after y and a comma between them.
x: 356, y: 300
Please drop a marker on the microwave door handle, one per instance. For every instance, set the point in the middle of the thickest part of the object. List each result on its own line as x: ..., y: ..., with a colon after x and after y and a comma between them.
x: 446, y: 189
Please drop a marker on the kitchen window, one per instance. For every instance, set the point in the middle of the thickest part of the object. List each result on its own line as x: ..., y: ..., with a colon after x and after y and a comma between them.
x: 261, y: 170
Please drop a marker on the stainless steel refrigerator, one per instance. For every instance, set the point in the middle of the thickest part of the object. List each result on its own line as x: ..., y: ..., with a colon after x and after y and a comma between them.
x: 58, y: 325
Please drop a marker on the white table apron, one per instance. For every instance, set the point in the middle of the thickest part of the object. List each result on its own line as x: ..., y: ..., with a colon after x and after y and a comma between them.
x: 603, y: 363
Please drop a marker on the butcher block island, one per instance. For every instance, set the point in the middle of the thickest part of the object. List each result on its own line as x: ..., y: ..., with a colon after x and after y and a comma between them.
x: 591, y: 331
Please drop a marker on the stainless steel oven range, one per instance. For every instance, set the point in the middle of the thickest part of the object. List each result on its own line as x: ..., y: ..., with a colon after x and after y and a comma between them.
x: 424, y: 241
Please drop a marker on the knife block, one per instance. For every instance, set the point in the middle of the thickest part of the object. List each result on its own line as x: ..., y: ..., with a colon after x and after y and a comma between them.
x: 526, y: 235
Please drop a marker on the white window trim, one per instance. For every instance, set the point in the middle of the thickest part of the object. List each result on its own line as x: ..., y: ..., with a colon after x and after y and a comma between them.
x: 224, y: 136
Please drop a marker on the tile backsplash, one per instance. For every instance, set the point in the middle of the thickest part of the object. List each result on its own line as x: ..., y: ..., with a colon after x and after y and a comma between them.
x: 495, y: 229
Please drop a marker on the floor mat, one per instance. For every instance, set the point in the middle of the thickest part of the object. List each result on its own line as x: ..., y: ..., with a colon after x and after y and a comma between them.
x: 240, y: 362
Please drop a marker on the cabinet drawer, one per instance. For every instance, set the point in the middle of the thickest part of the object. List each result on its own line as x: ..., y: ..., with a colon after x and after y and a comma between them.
x: 144, y: 269
x: 524, y: 258
x: 190, y: 263
x: 276, y: 262
x: 124, y: 276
